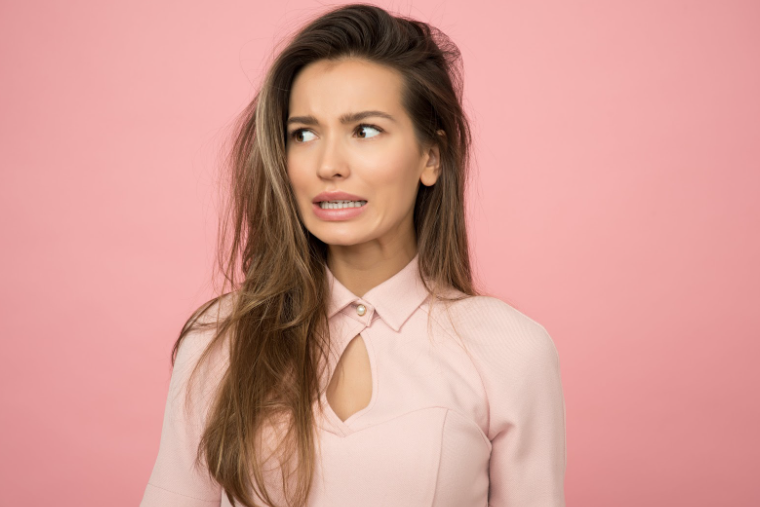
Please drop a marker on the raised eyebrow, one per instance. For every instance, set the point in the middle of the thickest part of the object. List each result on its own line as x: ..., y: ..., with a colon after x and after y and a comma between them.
x: 346, y: 118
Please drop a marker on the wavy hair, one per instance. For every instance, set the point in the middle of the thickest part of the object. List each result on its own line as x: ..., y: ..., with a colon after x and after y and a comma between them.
x: 276, y: 327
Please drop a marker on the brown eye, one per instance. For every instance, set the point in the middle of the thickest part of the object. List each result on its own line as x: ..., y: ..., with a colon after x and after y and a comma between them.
x: 298, y: 134
x: 361, y: 128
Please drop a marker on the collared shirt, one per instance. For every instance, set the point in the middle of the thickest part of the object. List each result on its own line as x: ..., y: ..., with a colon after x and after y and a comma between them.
x: 467, y: 409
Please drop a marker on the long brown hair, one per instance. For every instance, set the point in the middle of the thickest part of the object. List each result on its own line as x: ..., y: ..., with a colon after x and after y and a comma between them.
x: 276, y: 326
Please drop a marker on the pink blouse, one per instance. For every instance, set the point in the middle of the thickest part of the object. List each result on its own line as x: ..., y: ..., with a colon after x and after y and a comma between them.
x: 446, y: 426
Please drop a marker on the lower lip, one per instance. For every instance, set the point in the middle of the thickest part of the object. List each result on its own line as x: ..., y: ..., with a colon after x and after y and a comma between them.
x: 337, y: 214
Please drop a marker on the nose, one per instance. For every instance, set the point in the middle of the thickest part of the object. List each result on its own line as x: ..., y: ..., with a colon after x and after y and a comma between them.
x: 333, y: 162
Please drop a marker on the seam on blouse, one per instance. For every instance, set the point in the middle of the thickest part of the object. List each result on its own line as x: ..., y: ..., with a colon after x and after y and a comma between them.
x: 180, y: 494
x: 398, y: 416
x: 480, y: 376
x: 483, y: 436
x: 440, y: 457
x: 485, y: 394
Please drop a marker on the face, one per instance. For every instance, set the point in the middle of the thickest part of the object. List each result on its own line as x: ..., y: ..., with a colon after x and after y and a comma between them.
x: 348, y: 132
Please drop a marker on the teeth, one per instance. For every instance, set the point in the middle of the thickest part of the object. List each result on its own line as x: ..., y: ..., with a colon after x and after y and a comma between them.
x: 341, y: 204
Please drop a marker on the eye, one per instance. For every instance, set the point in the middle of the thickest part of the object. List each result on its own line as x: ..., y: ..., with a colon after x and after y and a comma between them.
x: 294, y: 135
x: 297, y: 134
x: 363, y: 126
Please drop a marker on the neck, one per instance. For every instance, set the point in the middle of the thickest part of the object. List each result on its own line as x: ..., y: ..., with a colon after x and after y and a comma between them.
x: 361, y: 268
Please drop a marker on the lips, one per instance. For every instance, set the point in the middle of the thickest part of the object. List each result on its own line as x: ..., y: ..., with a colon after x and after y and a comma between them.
x: 338, y: 214
x: 336, y: 195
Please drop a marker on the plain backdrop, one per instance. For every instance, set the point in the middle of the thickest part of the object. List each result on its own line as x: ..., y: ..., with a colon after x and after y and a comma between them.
x: 614, y: 200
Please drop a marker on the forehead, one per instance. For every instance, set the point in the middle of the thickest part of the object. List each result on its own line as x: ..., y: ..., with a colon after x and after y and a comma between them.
x: 330, y: 88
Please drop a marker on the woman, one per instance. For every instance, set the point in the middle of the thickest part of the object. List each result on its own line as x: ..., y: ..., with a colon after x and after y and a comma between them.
x: 353, y: 363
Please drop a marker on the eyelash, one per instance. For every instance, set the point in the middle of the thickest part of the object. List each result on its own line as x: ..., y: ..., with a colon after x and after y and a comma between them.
x: 293, y: 134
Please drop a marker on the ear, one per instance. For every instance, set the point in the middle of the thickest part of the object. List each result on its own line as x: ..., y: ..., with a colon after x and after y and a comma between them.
x: 432, y: 169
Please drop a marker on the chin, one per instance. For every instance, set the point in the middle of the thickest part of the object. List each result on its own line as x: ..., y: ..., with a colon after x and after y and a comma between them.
x: 328, y: 240
x: 334, y: 238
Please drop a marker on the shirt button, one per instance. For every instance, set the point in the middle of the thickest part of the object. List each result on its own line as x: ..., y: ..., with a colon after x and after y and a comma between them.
x: 361, y: 310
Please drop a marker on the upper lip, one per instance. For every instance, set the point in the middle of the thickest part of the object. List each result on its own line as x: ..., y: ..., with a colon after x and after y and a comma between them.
x: 336, y: 195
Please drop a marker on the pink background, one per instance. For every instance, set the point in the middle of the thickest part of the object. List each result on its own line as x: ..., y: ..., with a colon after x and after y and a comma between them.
x: 618, y: 150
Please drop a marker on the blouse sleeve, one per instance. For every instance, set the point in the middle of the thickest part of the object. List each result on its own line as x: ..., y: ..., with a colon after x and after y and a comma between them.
x: 520, y: 369
x: 175, y: 481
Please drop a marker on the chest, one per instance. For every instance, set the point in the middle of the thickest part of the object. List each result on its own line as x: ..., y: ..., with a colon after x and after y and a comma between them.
x: 404, y: 422
x: 350, y: 387
x: 376, y: 374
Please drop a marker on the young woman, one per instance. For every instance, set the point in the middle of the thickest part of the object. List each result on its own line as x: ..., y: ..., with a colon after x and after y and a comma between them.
x: 352, y: 363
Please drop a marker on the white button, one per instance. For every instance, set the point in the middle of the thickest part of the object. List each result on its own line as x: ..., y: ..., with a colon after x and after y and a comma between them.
x: 361, y: 310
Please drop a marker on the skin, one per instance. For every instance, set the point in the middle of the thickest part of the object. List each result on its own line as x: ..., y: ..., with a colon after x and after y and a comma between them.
x: 377, y: 158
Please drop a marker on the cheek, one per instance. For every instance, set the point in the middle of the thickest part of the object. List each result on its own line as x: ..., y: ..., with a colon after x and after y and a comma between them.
x: 297, y: 178
x: 397, y: 175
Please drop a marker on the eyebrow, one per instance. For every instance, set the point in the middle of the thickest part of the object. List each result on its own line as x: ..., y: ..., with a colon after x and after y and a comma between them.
x: 346, y: 118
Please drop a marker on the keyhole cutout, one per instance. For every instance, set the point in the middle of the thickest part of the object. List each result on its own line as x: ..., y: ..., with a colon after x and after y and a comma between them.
x: 350, y: 388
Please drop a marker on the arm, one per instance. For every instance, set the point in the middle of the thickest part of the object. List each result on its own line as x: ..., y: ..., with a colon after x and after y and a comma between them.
x: 528, y: 457
x: 175, y: 481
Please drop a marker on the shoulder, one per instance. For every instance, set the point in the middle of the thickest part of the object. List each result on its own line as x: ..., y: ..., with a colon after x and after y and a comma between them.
x: 212, y: 312
x: 476, y: 308
x: 199, y: 336
x: 203, y: 323
x: 497, y: 331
